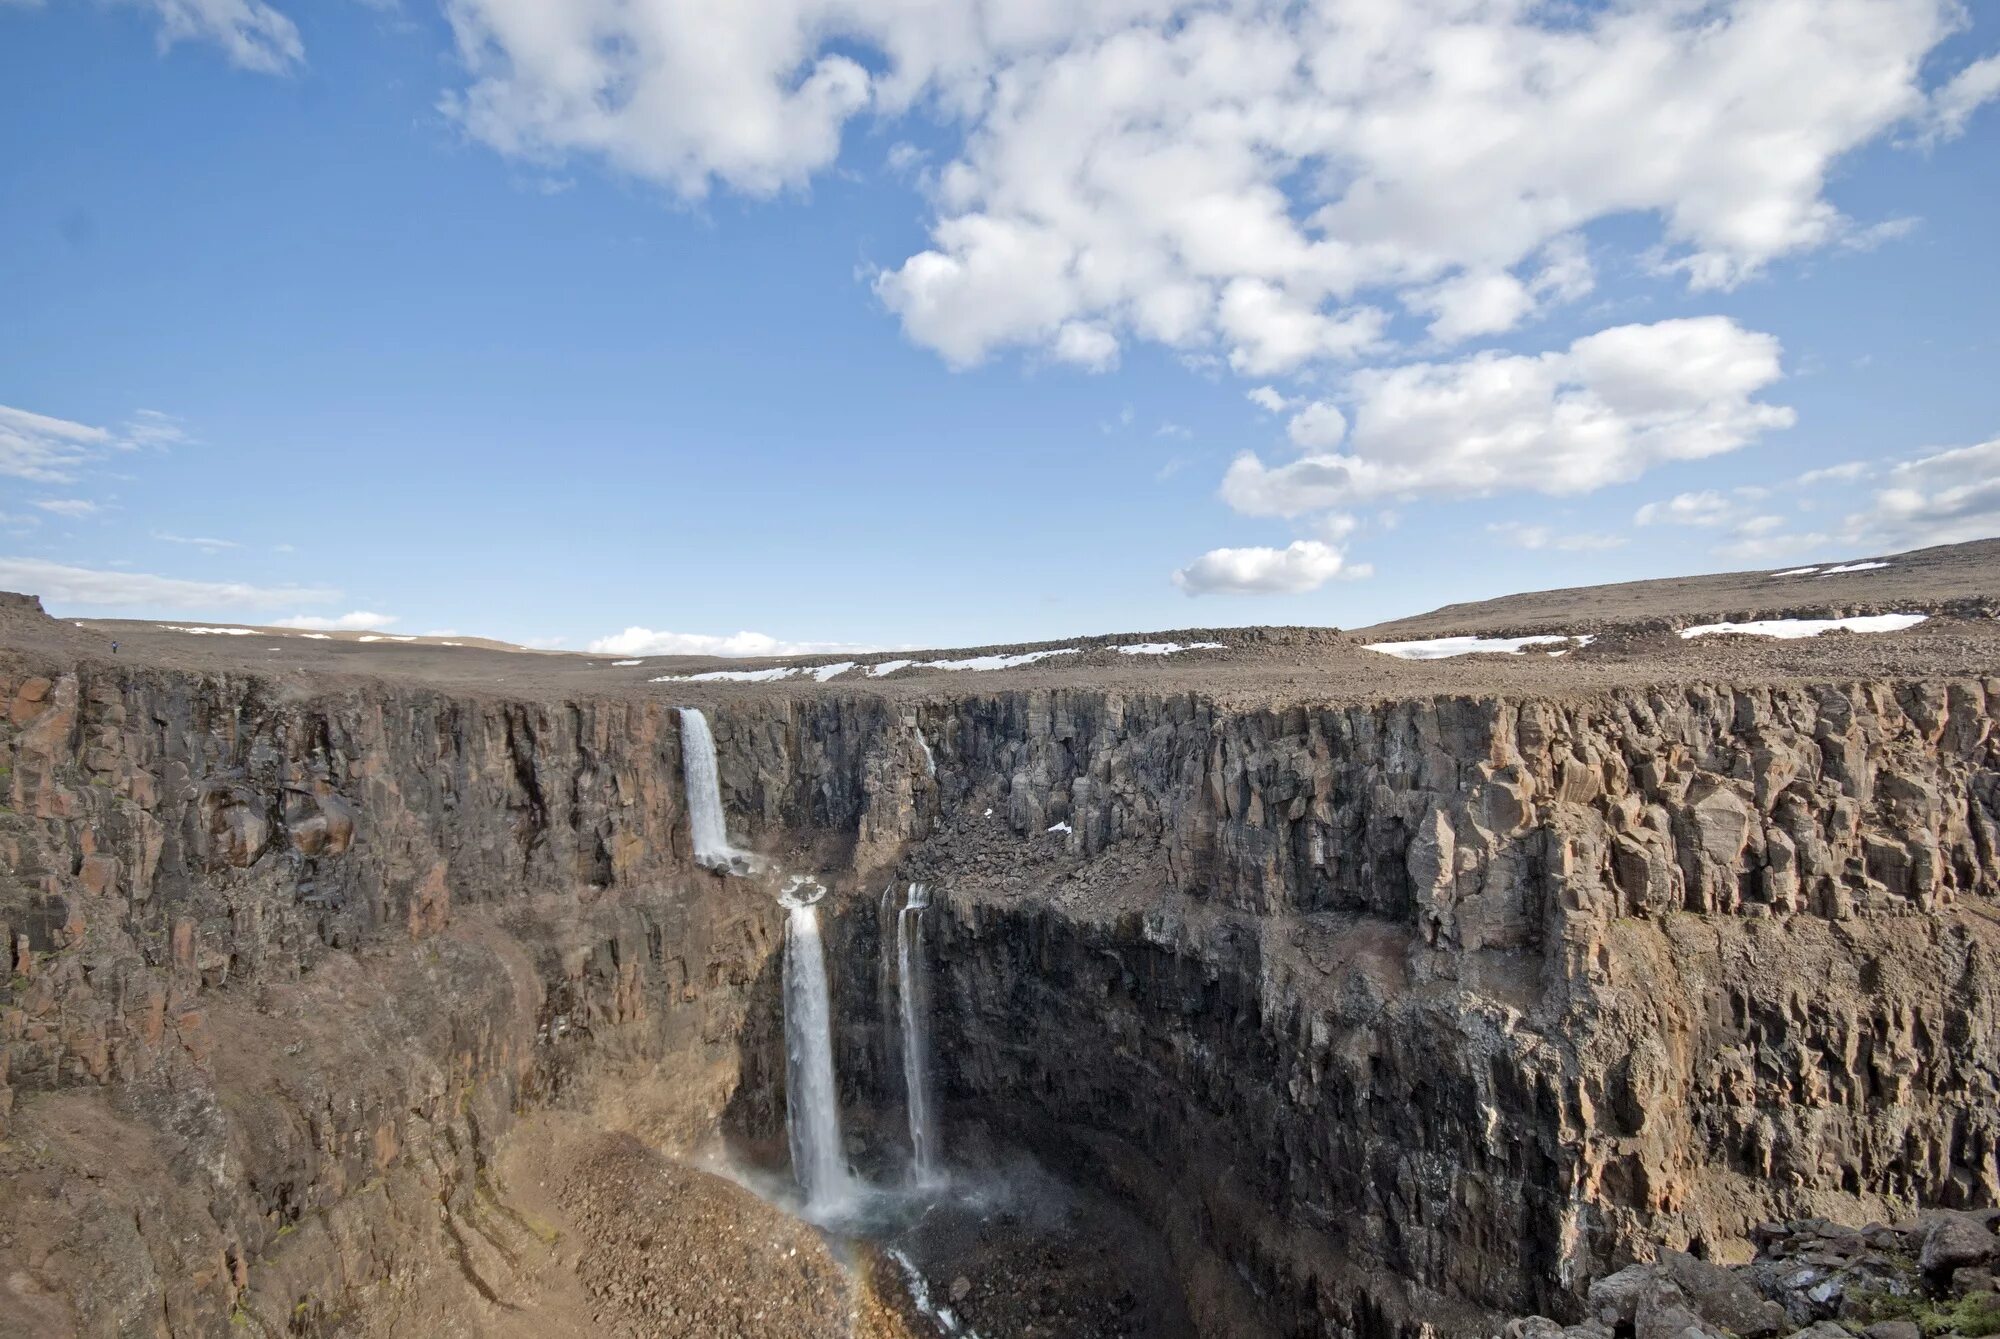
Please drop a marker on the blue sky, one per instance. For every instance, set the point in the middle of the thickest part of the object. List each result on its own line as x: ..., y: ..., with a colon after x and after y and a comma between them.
x: 939, y: 325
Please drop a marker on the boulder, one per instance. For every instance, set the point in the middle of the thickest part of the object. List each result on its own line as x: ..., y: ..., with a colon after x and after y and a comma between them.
x: 1721, y: 1297
x: 1615, y: 1298
x: 1953, y: 1241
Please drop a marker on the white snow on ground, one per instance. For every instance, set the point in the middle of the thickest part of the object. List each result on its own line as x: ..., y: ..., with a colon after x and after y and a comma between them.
x: 1852, y: 567
x: 627, y: 662
x: 771, y: 675
x: 1061, y: 827
x: 371, y: 637
x: 1440, y: 648
x: 975, y: 664
x: 316, y: 636
x: 1796, y: 572
x: 978, y: 663
x: 1165, y: 648
x: 1810, y: 627
x: 208, y: 632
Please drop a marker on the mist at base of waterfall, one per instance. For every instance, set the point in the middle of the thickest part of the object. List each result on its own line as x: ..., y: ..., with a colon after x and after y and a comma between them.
x: 1037, y: 1250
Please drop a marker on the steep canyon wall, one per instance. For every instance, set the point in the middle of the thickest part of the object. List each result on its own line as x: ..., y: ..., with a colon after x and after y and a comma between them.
x: 1392, y: 1014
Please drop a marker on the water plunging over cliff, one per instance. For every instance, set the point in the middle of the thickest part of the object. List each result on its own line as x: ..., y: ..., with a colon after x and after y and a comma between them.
x: 812, y: 1112
x: 704, y: 798
x: 912, y: 995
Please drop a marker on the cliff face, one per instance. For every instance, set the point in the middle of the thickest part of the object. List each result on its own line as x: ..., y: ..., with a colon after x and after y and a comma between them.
x: 1388, y: 1014
x: 1487, y: 998
x: 284, y: 967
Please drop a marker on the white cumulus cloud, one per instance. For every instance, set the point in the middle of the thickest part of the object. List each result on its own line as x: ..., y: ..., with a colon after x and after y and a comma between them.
x: 1945, y: 498
x: 1250, y: 178
x: 1268, y: 399
x: 1318, y: 427
x: 1303, y: 565
x: 51, y: 450
x: 1706, y: 507
x: 205, y: 544
x: 72, y: 507
x: 1525, y: 535
x: 1970, y: 89
x: 44, y: 449
x: 1603, y: 411
x: 63, y: 584
x: 252, y: 34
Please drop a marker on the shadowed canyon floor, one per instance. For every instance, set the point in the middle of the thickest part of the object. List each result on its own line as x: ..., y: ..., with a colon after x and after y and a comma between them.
x: 1280, y: 987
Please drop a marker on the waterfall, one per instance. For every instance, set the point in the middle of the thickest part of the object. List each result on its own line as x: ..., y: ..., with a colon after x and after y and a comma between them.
x: 930, y: 759
x: 916, y: 1033
x: 887, y: 918
x: 704, y: 798
x: 812, y: 1112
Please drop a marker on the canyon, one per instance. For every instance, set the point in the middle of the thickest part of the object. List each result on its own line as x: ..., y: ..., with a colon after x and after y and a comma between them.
x: 1273, y: 985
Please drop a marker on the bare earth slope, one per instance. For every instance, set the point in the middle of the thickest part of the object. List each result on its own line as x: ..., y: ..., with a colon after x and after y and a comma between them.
x: 1963, y: 577
x: 1634, y: 622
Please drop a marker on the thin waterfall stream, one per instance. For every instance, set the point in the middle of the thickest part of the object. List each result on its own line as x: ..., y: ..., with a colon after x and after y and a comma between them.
x: 995, y: 1216
x: 703, y: 782
x: 812, y: 1108
x: 913, y: 999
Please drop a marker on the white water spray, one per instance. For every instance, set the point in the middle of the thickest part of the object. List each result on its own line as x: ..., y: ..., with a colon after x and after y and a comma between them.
x: 812, y: 1111
x: 703, y: 783
x: 910, y: 990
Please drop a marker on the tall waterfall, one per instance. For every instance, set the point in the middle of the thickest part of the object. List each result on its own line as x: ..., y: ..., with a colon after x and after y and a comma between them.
x: 911, y: 991
x: 704, y: 798
x: 812, y: 1111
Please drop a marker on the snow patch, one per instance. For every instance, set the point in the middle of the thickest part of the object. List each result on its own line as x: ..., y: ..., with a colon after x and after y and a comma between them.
x: 1060, y: 827
x: 1165, y: 648
x: 208, y: 632
x: 771, y: 675
x: 628, y: 662
x: 982, y: 663
x: 316, y: 636
x: 1852, y: 567
x: 1796, y: 572
x: 1441, y: 648
x: 1792, y: 628
x: 822, y: 673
